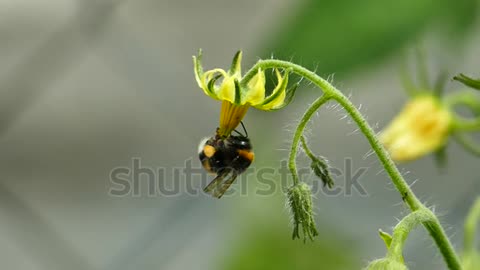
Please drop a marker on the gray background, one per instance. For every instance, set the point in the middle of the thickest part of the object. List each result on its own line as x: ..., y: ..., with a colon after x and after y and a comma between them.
x: 85, y: 86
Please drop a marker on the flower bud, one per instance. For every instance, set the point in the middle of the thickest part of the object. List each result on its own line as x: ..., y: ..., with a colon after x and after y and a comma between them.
x: 300, y: 201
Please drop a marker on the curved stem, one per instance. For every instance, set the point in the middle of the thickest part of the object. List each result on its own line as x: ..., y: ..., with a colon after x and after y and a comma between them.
x: 330, y: 92
x: 465, y: 97
x: 307, y: 150
x: 472, y: 101
x: 461, y: 124
x: 292, y: 165
x: 403, y: 229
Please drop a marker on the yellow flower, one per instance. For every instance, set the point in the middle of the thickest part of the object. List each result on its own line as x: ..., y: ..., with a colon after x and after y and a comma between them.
x: 237, y: 98
x: 422, y: 127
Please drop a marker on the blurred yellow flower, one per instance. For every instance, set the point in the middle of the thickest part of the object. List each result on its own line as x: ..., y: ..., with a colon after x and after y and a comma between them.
x: 237, y: 98
x: 422, y: 127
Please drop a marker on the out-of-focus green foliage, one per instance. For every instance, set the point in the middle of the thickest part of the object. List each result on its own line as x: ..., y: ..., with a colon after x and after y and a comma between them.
x: 339, y: 36
x: 471, y: 261
x: 269, y: 246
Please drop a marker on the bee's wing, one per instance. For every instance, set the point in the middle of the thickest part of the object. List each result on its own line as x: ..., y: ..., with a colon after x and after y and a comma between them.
x: 218, y: 186
x: 216, y: 181
x: 222, y: 188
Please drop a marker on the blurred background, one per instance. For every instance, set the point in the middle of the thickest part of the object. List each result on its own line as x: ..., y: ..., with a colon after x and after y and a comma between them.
x: 87, y: 86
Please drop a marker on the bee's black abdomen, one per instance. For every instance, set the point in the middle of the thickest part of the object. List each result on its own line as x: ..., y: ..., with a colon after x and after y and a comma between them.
x: 234, y: 152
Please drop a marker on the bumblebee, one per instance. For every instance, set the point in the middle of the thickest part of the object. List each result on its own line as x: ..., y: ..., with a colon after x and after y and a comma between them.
x: 227, y: 158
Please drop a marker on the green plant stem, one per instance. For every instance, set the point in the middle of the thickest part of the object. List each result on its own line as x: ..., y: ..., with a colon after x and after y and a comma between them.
x: 470, y: 227
x: 403, y: 229
x: 469, y: 99
x: 462, y: 125
x: 330, y: 92
x: 465, y: 97
x: 307, y: 150
x: 292, y: 165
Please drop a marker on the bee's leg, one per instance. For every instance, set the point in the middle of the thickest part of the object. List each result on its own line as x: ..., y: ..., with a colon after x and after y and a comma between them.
x: 217, y: 180
x: 222, y: 188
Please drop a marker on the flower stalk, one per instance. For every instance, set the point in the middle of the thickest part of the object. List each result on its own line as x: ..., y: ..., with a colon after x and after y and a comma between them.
x: 461, y: 125
x: 330, y: 92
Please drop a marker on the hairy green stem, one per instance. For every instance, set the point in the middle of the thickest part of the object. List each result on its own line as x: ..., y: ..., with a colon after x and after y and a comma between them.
x: 403, y: 228
x: 307, y: 150
x: 292, y: 165
x: 330, y: 92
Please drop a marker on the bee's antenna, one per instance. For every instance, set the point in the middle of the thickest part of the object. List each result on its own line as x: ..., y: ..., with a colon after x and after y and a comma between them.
x: 238, y: 132
x: 244, y: 129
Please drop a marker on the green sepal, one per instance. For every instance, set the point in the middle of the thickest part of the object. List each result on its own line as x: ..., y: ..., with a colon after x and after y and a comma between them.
x: 386, y: 237
x: 276, y: 92
x: 320, y: 168
x: 211, y: 85
x: 439, y: 85
x: 290, y: 93
x: 197, y: 65
x: 441, y: 157
x: 299, y: 198
x: 318, y: 165
x: 475, y: 84
x: 236, y: 64
x: 238, y: 93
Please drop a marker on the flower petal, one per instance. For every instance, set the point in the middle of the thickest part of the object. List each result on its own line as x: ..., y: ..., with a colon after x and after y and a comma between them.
x: 209, y: 79
x: 227, y: 90
x: 256, y: 89
x: 230, y: 117
x: 422, y: 127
